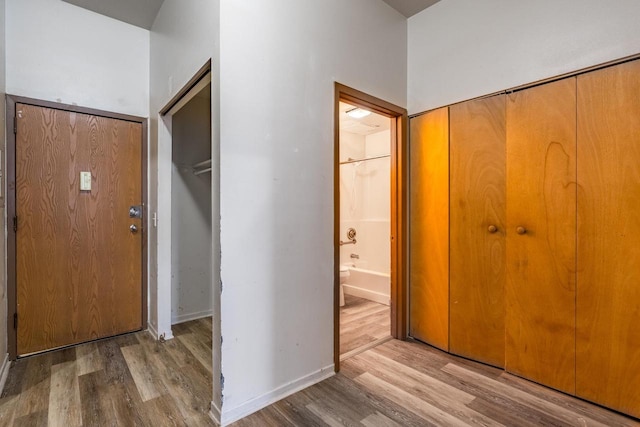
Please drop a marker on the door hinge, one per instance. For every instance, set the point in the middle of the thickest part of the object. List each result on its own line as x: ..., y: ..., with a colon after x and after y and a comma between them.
x: 15, y: 321
x: 15, y: 124
x: 15, y: 223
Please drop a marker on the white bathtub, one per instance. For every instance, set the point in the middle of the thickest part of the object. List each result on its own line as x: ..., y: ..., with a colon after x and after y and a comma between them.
x: 368, y: 284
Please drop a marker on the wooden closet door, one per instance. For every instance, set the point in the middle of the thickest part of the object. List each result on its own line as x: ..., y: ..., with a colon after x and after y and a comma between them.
x: 429, y: 228
x: 78, y: 265
x: 541, y: 234
x: 608, y: 303
x: 477, y: 240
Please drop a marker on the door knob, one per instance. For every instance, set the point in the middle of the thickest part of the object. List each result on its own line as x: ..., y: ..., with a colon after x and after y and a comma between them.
x: 133, y: 228
x: 521, y: 230
x: 492, y: 229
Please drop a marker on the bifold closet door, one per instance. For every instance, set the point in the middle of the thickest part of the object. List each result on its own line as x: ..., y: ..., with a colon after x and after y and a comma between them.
x: 608, y: 303
x: 541, y: 234
x: 429, y: 228
x: 477, y: 259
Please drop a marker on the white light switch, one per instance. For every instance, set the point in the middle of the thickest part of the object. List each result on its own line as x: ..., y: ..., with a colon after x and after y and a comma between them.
x: 85, y: 181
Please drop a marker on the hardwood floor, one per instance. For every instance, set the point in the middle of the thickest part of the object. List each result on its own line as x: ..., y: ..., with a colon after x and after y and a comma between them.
x: 124, y: 381
x: 362, y: 324
x: 410, y: 384
x: 134, y: 381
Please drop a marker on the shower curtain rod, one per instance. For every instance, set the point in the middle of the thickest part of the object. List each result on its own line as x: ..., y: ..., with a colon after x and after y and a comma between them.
x: 364, y: 160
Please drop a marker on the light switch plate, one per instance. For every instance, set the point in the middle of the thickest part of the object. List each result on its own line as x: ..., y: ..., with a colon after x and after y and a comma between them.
x: 85, y: 181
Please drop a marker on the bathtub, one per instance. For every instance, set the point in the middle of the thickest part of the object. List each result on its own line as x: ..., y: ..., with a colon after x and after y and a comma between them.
x: 368, y: 284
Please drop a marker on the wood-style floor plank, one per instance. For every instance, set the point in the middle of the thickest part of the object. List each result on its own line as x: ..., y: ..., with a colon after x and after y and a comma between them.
x: 163, y: 412
x: 379, y: 420
x: 8, y: 409
x: 562, y: 414
x: 182, y: 383
x: 127, y: 404
x: 96, y: 402
x: 430, y: 390
x: 88, y: 358
x: 362, y: 322
x: 428, y: 412
x: 143, y: 373
x: 34, y: 395
x: 198, y: 348
x: 39, y: 418
x: 64, y: 398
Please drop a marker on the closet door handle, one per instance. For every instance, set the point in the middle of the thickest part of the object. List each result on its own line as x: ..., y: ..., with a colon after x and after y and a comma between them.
x: 521, y: 230
x: 492, y: 229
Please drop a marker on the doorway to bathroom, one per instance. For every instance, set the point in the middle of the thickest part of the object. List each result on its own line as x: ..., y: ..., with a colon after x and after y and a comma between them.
x: 369, y: 230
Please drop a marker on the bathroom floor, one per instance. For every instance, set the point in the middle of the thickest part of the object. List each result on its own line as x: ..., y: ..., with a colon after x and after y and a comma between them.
x: 363, y: 324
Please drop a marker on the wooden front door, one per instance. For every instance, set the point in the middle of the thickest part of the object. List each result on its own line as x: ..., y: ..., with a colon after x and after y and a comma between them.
x: 78, y: 264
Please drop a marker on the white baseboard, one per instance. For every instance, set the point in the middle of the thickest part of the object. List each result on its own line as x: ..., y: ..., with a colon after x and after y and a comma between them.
x: 4, y: 372
x: 152, y: 331
x: 191, y: 316
x: 366, y: 294
x: 214, y: 414
x: 254, y: 405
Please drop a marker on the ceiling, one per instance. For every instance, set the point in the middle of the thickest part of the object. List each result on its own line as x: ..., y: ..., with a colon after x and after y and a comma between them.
x: 373, y: 123
x: 410, y: 7
x: 140, y: 13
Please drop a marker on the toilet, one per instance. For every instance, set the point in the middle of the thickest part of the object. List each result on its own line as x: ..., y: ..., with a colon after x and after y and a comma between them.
x: 344, y: 275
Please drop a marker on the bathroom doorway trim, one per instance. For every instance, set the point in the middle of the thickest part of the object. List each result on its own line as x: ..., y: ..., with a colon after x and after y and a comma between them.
x: 399, y: 149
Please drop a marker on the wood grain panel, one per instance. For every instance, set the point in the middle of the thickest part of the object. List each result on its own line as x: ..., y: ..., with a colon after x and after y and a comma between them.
x: 429, y: 228
x: 608, y: 300
x: 48, y: 227
x: 477, y: 254
x: 116, y: 253
x: 78, y: 267
x: 541, y: 193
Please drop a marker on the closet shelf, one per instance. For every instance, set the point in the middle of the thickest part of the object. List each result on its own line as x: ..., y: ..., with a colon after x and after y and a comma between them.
x: 202, y: 167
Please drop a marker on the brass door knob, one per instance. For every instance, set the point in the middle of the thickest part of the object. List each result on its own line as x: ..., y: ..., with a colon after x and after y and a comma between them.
x: 521, y: 230
x: 492, y: 229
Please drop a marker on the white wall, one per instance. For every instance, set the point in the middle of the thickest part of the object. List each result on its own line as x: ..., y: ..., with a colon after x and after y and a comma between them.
x: 184, y: 36
x: 191, y: 213
x: 460, y: 49
x: 279, y: 61
x: 60, y: 52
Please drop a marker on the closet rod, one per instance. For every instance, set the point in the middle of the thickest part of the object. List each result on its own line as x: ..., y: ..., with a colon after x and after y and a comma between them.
x: 364, y: 160
x: 201, y: 171
x: 201, y: 164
